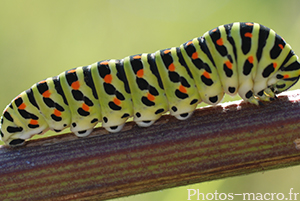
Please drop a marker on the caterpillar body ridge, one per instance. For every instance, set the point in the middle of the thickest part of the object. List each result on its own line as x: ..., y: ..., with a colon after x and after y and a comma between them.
x: 245, y: 58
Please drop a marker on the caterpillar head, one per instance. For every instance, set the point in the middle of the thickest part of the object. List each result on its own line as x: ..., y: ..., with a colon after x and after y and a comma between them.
x: 283, y: 85
x: 286, y: 77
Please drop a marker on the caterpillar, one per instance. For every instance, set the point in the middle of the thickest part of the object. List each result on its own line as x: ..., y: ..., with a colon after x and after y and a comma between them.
x: 245, y: 58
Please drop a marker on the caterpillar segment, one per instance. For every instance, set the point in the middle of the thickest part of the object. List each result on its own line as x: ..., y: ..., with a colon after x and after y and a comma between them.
x: 248, y: 59
x: 113, y: 92
x: 149, y: 99
x: 245, y: 38
x: 49, y: 101
x: 201, y: 65
x: 180, y: 88
x: 223, y: 57
x: 82, y: 104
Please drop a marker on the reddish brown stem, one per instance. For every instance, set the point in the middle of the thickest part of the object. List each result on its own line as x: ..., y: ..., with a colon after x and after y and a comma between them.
x: 216, y: 142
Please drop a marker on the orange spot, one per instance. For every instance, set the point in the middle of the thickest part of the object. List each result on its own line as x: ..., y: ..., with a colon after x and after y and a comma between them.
x: 220, y: 42
x: 104, y: 63
x: 182, y: 89
x: 249, y: 24
x: 150, y: 97
x: 75, y: 85
x: 85, y: 107
x: 286, y: 76
x: 228, y: 64
x: 46, y: 94
x: 167, y: 51
x: 108, y: 78
x: 41, y: 82
x: 117, y: 101
x: 248, y: 34
x: 188, y: 43
x: 215, y: 29
x: 195, y: 55
x: 33, y: 122
x: 72, y: 71
x: 22, y: 106
x: 57, y: 113
x: 274, y: 65
x: 281, y: 46
x: 250, y: 59
x: 140, y: 73
x: 171, y: 67
x: 137, y: 57
x: 206, y: 74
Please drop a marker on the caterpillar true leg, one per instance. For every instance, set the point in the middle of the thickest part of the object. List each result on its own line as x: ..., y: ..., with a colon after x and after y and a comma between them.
x: 270, y: 93
x: 262, y: 95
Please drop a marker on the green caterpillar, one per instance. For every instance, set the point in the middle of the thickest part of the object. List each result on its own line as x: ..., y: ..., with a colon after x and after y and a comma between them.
x: 245, y: 58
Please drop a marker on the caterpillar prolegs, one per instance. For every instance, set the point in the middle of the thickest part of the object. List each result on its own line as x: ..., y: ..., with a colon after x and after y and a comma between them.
x: 245, y: 58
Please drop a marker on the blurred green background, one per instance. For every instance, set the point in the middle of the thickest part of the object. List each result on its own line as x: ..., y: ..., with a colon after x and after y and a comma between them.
x: 42, y: 38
